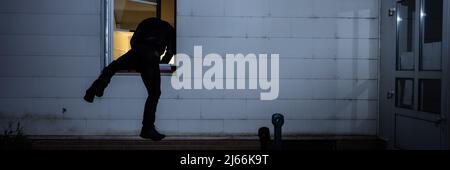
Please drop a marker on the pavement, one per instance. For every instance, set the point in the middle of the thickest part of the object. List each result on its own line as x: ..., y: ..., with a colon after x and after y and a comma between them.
x: 203, y: 143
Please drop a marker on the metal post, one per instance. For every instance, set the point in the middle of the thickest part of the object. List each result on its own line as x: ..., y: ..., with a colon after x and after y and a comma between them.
x: 277, y: 121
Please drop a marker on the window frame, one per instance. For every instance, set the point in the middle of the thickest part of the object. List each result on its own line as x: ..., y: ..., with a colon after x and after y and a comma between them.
x: 108, y: 28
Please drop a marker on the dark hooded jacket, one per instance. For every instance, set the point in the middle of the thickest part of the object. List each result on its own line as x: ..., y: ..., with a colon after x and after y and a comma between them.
x: 157, y: 34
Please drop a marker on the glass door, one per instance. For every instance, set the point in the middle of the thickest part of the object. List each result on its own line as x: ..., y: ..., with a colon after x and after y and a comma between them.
x: 415, y: 100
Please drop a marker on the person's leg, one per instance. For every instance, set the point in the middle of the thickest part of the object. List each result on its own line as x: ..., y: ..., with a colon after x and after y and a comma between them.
x: 151, y: 77
x: 152, y: 82
x: 126, y: 61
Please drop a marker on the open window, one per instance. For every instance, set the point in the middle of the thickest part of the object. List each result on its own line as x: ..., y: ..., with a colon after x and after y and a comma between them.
x: 123, y: 17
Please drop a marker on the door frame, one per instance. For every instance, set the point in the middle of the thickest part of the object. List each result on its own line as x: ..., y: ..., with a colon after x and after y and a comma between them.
x: 388, y: 48
x: 446, y: 72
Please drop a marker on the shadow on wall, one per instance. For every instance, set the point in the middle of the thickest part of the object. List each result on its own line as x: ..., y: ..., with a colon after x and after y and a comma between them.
x: 359, y: 85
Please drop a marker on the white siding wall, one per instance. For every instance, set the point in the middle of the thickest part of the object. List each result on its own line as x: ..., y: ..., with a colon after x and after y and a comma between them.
x: 50, y: 51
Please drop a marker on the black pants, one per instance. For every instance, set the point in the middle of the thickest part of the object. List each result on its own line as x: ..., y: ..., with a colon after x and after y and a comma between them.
x: 146, y: 62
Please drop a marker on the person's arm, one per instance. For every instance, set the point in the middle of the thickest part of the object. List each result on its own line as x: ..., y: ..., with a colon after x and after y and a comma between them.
x: 170, y: 50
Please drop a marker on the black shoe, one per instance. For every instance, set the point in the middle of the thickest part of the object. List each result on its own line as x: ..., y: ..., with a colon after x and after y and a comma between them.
x: 94, y: 90
x: 151, y: 133
x: 89, y: 96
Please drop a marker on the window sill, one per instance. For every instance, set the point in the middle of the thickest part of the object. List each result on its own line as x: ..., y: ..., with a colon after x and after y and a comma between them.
x: 165, y: 69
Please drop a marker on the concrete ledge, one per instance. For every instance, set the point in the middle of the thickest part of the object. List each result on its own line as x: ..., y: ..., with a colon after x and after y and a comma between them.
x: 202, y: 143
x: 205, y: 137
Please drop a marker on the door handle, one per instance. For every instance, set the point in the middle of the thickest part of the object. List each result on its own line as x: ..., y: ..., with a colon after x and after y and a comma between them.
x: 391, y: 11
x: 390, y: 94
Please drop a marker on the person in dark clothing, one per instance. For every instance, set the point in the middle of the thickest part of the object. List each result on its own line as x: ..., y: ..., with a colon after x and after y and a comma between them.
x: 152, y: 37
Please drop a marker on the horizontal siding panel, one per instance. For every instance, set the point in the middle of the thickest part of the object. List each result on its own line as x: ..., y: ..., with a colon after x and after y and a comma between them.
x: 113, y: 127
x: 313, y: 109
x: 51, y: 6
x: 218, y: 94
x: 331, y: 27
x: 177, y: 109
x: 292, y: 68
x: 324, y: 8
x: 132, y: 87
x: 202, y: 7
x: 278, y: 27
x: 78, y: 127
x: 74, y: 87
x: 330, y: 127
x: 132, y: 109
x: 102, y: 109
x: 216, y: 26
x: 185, y: 7
x: 168, y: 127
x: 187, y: 127
x: 346, y: 8
x: 296, y: 89
x: 200, y: 126
x: 42, y: 87
x: 42, y: 66
x: 222, y: 46
x: 30, y: 109
x: 249, y: 127
x: 328, y: 89
x: 48, y: 24
x: 280, y: 8
x: 287, y: 47
x: 32, y: 45
x: 53, y: 127
x: 345, y: 89
x: 304, y: 127
x: 336, y: 69
x: 220, y: 109
x: 246, y: 7
x: 52, y: 108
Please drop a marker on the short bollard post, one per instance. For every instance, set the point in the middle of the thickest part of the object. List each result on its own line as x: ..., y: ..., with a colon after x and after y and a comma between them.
x: 277, y: 121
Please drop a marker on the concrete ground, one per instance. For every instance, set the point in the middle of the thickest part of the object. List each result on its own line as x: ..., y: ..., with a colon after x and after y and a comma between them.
x: 202, y: 143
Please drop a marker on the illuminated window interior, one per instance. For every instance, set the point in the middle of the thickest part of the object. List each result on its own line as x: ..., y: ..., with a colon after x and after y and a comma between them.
x: 129, y: 13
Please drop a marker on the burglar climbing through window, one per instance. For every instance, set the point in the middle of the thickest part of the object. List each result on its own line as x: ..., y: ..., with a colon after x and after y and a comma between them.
x: 152, y: 37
